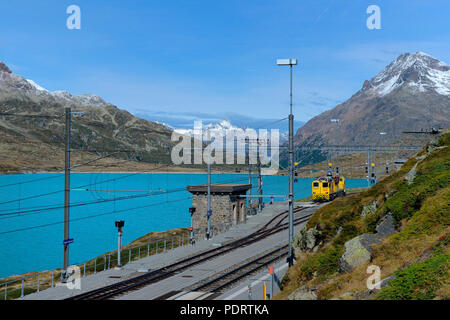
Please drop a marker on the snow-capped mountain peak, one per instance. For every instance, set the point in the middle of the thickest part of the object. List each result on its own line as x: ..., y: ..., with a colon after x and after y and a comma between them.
x: 419, y: 71
x: 12, y: 82
x: 220, y: 128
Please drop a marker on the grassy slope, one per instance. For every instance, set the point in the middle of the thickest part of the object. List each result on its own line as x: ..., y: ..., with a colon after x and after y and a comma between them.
x: 418, y: 249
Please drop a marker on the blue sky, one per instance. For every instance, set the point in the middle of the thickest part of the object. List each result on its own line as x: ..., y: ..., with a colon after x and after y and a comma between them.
x: 175, y: 61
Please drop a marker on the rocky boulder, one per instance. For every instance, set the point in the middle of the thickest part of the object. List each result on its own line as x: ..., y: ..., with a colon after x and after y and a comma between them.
x: 386, y: 226
x: 303, y: 293
x: 411, y: 175
x: 371, y: 293
x: 370, y: 208
x: 307, y: 240
x: 358, y: 250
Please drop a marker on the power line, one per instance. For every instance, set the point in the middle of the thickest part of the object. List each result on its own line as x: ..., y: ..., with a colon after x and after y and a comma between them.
x: 75, y: 205
x: 92, y: 216
x: 29, y: 181
x: 32, y: 210
x: 29, y: 115
x: 101, y: 214
x: 58, y: 191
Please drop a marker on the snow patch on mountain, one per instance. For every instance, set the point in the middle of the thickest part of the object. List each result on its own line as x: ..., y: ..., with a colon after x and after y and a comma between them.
x: 10, y: 81
x: 221, y: 128
x: 225, y: 127
x: 419, y: 71
x: 441, y: 81
x: 83, y: 99
x: 36, y: 86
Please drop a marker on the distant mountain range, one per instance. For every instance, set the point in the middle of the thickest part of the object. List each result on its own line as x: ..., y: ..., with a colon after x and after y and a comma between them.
x: 102, y: 126
x: 223, y: 127
x: 411, y: 93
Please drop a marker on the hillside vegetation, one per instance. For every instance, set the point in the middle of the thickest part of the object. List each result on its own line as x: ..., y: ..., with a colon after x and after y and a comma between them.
x: 414, y: 259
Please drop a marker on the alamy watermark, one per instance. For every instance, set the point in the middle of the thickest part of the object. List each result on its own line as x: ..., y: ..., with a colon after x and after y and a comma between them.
x: 73, y: 280
x: 227, y: 146
x: 74, y: 20
x: 374, y: 20
x: 374, y: 281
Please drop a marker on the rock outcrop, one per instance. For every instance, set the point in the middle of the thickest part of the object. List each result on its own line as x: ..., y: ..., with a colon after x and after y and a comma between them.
x: 358, y: 250
x: 303, y: 293
x: 307, y: 240
x: 370, y: 208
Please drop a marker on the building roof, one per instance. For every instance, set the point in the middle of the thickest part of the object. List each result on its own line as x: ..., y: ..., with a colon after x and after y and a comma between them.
x: 220, y: 188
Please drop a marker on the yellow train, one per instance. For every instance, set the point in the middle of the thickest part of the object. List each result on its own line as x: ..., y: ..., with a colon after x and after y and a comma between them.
x: 328, y: 188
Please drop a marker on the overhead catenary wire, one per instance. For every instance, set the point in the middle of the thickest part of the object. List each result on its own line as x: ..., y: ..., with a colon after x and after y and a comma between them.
x: 91, y: 216
x: 32, y: 210
x: 78, y: 187
x: 106, y: 213
x: 57, y: 175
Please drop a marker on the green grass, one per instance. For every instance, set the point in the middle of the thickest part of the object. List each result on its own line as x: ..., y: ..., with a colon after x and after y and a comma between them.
x: 419, y: 281
x: 322, y: 264
x: 421, y: 213
x: 432, y: 175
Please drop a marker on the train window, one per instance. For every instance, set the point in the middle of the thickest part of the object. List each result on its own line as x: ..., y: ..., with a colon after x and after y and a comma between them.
x: 325, y: 185
x: 315, y: 184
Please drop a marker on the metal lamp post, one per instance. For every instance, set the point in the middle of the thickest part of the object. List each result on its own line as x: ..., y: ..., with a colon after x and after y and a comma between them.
x: 191, y: 229
x: 209, y: 212
x: 66, y: 241
x: 290, y: 63
x: 119, y: 225
x: 383, y: 142
x: 335, y: 144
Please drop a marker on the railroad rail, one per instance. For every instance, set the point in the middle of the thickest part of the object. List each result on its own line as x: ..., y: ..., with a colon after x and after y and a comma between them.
x: 217, y: 284
x: 273, y: 226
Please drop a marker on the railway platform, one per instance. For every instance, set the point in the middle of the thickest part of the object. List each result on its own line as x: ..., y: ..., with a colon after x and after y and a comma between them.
x: 153, y: 262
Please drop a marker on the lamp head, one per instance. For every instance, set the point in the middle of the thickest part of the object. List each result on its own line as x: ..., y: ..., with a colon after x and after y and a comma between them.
x: 287, y: 62
x: 120, y: 223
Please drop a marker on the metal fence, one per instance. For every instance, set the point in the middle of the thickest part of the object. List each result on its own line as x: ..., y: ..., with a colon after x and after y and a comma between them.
x: 39, y: 281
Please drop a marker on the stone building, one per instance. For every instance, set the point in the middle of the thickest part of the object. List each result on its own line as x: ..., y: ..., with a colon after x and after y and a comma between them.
x: 227, y: 204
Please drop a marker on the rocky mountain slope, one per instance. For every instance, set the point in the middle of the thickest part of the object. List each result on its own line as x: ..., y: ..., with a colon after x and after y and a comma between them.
x: 411, y: 93
x: 101, y: 126
x: 400, y: 226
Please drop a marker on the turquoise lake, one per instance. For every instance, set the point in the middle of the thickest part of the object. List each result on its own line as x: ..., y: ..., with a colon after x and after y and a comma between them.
x: 31, y: 230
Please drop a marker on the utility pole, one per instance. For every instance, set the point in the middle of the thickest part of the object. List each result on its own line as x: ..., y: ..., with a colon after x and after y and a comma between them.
x: 191, y: 229
x: 368, y: 164
x: 119, y: 225
x: 249, y: 176
x: 260, y: 199
x: 290, y: 259
x: 209, y: 212
x: 291, y: 174
x: 336, y: 138
x: 66, y: 241
x: 250, y: 182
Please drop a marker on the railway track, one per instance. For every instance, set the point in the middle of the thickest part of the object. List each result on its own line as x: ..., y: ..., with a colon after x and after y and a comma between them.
x: 273, y: 226
x: 215, y: 286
